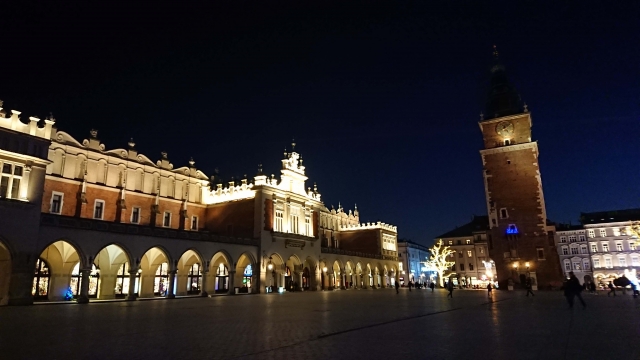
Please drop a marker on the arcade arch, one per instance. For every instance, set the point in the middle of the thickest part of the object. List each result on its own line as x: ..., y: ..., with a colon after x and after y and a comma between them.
x: 309, y: 280
x: 156, y: 275
x: 245, y: 273
x: 219, y: 270
x: 275, y: 272
x: 189, y: 273
x: 348, y: 275
x: 112, y: 262
x: 53, y: 271
x: 336, y: 275
x: 293, y: 273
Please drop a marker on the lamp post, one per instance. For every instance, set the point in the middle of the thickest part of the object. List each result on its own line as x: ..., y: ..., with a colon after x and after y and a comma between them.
x: 273, y: 273
x: 515, y: 269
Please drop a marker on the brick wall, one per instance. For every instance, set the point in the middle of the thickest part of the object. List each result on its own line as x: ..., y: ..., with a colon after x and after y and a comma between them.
x: 366, y: 241
x: 232, y: 219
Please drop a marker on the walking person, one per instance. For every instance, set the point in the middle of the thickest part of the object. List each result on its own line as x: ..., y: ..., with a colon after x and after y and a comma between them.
x: 397, y: 287
x: 529, y: 287
x: 489, y: 289
x: 432, y: 286
x: 450, y: 288
x: 612, y: 289
x: 573, y: 289
x: 410, y: 285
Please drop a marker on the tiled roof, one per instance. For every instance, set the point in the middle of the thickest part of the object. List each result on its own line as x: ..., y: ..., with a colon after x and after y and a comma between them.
x: 610, y: 216
x: 479, y: 223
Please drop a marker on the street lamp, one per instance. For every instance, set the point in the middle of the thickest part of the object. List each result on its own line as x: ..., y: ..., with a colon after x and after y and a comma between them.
x: 270, y: 264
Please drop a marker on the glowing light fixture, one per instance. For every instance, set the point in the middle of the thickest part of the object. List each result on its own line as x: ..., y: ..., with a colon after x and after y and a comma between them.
x: 324, y: 269
x: 270, y: 264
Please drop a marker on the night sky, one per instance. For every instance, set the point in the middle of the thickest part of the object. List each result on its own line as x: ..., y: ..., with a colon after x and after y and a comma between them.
x: 383, y: 101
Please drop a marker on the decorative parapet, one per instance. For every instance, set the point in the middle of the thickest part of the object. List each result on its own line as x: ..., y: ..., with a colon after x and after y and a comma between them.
x: 369, y: 225
x: 327, y: 250
x: 14, y: 123
x: 132, y: 229
x: 232, y: 192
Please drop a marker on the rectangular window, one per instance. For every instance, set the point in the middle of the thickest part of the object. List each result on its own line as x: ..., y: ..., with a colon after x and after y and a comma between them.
x: 481, y: 250
x: 56, y: 203
x: 594, y: 248
x: 574, y: 250
x: 622, y: 261
x: 607, y: 263
x: 468, y: 241
x: 307, y: 226
x: 581, y: 238
x: 166, y: 219
x: 450, y: 242
x: 634, y: 261
x: 603, y: 233
x: 567, y: 265
x: 540, y: 252
x: 459, y: 242
x: 592, y: 233
x: 572, y: 238
x: 605, y: 247
x: 98, y: 209
x: 596, y: 263
x: 470, y: 267
x: 293, y: 220
x: 565, y: 250
x: 583, y: 250
x: 279, y: 217
x: 135, y: 215
x: 194, y: 223
x: 469, y: 253
x: 563, y: 239
x: 461, y: 267
x: 585, y: 264
x: 503, y: 213
x: 576, y: 266
x: 632, y: 245
x: 618, y: 247
x: 460, y: 254
x: 10, y: 181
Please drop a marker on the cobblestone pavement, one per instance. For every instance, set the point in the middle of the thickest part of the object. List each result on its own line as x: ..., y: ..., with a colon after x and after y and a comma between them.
x: 350, y: 324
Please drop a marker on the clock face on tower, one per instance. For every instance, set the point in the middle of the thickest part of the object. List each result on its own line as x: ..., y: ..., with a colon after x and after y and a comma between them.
x: 505, y: 128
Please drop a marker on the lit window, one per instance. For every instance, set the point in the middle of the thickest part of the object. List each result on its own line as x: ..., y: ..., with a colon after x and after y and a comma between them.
x: 576, y: 266
x: 307, y: 226
x: 98, y: 209
x: 594, y: 248
x: 616, y: 232
x: 56, y: 203
x: 585, y: 264
x: 622, y: 261
x: 603, y: 233
x: 293, y: 220
x: 563, y: 239
x: 572, y: 238
x: 468, y: 241
x: 135, y: 215
x: 607, y: 263
x: 450, y: 242
x: 540, y: 252
x: 481, y: 250
x: 565, y: 250
x: 10, y: 181
x: 469, y: 253
x: 581, y: 238
x: 596, y: 263
x: 618, y: 247
x: 592, y: 233
x: 194, y: 223
x: 634, y: 261
x: 166, y: 219
x: 605, y: 247
x: 632, y: 245
x: 279, y: 217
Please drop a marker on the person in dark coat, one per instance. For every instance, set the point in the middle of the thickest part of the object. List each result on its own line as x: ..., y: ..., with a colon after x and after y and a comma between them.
x: 410, y: 285
x: 489, y: 289
x: 573, y: 289
x: 432, y: 286
x: 612, y: 289
x: 450, y: 288
x: 397, y: 287
x: 529, y: 287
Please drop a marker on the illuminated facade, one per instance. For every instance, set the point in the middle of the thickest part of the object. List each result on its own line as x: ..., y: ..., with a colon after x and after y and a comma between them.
x: 520, y: 234
x: 87, y: 222
x: 474, y: 267
x: 573, y: 250
x: 412, y: 256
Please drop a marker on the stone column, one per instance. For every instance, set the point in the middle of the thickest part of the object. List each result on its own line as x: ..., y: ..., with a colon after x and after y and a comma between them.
x: 21, y: 281
x: 343, y: 279
x: 203, y: 290
x: 83, y: 298
x: 131, y: 295
x: 172, y: 284
x: 232, y: 275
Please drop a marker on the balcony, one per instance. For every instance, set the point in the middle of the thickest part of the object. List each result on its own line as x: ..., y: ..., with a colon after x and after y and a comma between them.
x: 132, y: 229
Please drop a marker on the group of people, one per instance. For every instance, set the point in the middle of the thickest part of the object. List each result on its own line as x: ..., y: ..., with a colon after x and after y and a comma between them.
x: 418, y: 286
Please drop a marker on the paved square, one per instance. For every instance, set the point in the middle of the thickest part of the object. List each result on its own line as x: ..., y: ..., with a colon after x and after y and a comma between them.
x: 352, y: 324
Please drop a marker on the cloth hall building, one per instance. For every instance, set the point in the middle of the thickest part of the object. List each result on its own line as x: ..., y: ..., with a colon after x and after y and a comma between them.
x: 83, y: 221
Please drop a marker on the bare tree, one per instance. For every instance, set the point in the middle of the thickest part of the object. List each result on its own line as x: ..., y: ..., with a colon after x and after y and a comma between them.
x: 438, y: 260
x: 635, y: 229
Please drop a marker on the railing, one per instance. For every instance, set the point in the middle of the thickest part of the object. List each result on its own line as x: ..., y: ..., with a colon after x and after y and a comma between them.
x: 327, y: 250
x: 132, y: 229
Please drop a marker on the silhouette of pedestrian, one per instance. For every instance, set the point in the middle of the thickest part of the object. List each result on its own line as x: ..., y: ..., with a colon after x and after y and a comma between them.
x: 397, y: 287
x: 573, y: 289
x: 410, y: 285
x: 529, y: 287
x: 450, y: 288
x: 612, y: 289
x: 489, y: 289
x: 432, y: 286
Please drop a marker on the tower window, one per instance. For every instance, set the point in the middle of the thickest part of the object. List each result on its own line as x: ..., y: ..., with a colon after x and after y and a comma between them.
x: 503, y: 213
x: 509, y: 162
x: 507, y: 142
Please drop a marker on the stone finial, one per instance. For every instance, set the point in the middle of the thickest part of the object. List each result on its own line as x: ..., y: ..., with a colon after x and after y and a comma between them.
x: 293, y: 144
x: 259, y: 169
x: 191, y: 162
x: 164, y: 155
x: 526, y: 108
x: 131, y: 143
x: 93, y: 133
x: 286, y: 154
x: 52, y: 119
x: 315, y: 187
x: 1, y: 103
x: 481, y: 116
x: 216, y: 171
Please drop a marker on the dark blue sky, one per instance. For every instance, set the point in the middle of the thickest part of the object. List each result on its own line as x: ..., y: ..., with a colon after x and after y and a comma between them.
x: 382, y: 101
